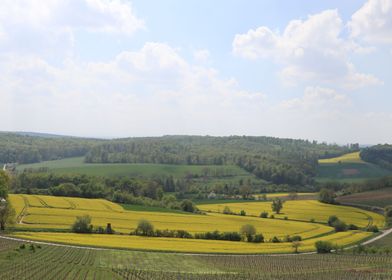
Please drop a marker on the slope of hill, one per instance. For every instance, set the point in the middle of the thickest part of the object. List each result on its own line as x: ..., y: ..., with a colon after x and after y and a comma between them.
x: 348, y: 167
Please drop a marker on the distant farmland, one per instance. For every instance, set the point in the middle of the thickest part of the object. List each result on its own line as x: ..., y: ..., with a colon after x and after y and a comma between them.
x: 78, y: 166
x: 380, y: 198
x: 349, y: 167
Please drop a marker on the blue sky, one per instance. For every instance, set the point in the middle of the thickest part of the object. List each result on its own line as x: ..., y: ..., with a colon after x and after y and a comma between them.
x: 299, y: 69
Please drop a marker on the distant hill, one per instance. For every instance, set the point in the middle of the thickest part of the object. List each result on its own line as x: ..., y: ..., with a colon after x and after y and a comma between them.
x: 349, y: 168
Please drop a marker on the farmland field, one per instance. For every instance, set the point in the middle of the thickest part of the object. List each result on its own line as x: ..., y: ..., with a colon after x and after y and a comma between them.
x: 380, y: 198
x: 304, y: 210
x: 348, y: 168
x: 47, y: 213
x: 78, y: 166
x: 52, y: 262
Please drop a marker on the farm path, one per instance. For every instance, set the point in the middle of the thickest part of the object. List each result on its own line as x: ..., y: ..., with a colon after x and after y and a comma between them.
x: 384, y: 233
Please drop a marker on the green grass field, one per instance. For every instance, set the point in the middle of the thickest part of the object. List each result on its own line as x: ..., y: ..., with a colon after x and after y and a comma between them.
x: 77, y: 166
x: 348, y: 168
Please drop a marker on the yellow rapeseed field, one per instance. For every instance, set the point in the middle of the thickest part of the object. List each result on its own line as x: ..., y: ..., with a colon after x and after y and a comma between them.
x: 188, y: 245
x: 304, y: 210
x: 126, y: 221
x: 347, y: 158
x: 47, y: 212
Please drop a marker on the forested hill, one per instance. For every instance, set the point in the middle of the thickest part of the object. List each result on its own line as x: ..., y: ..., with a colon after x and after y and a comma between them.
x: 379, y: 154
x: 29, y: 148
x: 282, y: 161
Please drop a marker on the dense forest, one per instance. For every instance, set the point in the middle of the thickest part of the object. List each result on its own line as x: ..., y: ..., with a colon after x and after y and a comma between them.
x: 281, y: 161
x: 379, y: 154
x: 25, y: 148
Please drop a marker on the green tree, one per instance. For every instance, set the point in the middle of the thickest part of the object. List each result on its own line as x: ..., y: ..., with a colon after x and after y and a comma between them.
x: 248, y: 231
x: 82, y: 224
x: 277, y: 205
x: 323, y: 247
x: 296, y: 245
x: 327, y: 196
x: 188, y: 206
x: 144, y: 228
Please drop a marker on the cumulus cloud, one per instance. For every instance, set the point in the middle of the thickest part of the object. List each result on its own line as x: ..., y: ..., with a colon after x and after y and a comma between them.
x: 308, y: 50
x: 372, y: 23
x: 145, y: 92
x: 48, y: 28
x: 316, y: 98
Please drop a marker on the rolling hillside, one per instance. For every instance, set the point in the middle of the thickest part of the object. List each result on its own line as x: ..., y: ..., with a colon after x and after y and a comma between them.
x: 349, y: 167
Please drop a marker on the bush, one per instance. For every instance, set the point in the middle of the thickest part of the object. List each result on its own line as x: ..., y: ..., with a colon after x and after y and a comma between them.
x: 332, y: 219
x: 264, y: 215
x: 272, y: 216
x: 286, y: 218
x: 227, y: 210
x: 275, y: 240
x: 352, y: 227
x: 82, y: 224
x: 216, y: 235
x: 339, y: 226
x: 372, y: 229
x: 258, y: 238
x: 109, y: 229
x: 243, y: 213
x: 323, y: 247
x: 294, y: 238
x: 144, y: 228
x: 327, y: 196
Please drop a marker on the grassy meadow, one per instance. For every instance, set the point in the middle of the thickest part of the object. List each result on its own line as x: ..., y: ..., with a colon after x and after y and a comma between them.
x: 41, y: 217
x: 348, y: 168
x: 145, y: 170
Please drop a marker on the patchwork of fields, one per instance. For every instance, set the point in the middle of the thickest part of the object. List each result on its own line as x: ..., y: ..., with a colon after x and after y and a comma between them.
x: 348, y: 168
x: 47, y: 213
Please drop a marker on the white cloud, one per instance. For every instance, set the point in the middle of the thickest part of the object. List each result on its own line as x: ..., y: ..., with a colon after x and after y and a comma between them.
x: 49, y: 28
x: 316, y: 98
x: 310, y: 50
x: 146, y: 92
x: 201, y: 55
x: 373, y: 22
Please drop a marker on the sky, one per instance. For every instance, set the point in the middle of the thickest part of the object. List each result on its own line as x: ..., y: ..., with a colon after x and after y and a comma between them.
x: 317, y: 70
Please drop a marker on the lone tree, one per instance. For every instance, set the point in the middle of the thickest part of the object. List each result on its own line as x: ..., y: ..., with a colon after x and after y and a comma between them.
x: 248, y: 231
x: 327, y: 196
x: 188, y: 206
x: 296, y: 245
x: 7, y: 212
x: 145, y: 228
x: 277, y: 205
x: 82, y: 224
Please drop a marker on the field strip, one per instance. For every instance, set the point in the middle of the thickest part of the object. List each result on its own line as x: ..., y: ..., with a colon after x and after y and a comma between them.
x: 23, y: 212
x: 384, y: 233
